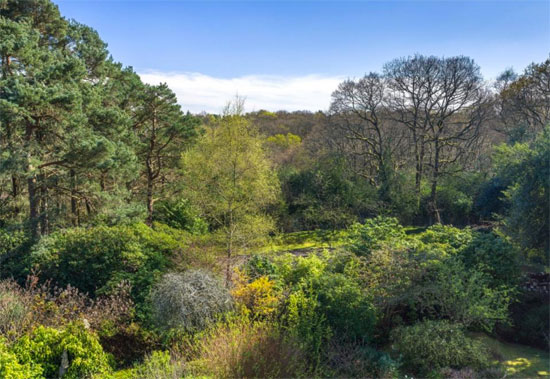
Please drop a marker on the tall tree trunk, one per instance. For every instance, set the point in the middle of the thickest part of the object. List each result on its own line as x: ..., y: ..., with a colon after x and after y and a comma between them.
x: 228, y: 265
x: 149, y: 198
x: 434, y: 211
x: 419, y: 153
x: 33, y: 207
x: 15, y: 193
x: 74, y: 200
x: 44, y: 207
x: 31, y: 188
x: 149, y: 166
x: 229, y: 249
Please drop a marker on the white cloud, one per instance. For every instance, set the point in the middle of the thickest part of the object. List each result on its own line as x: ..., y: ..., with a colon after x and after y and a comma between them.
x: 198, y: 92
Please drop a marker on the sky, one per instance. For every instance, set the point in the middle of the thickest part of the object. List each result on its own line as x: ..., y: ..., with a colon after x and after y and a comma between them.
x: 291, y: 55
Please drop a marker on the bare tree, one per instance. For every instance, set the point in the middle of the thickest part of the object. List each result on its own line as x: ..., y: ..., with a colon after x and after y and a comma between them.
x: 359, y: 111
x: 443, y: 102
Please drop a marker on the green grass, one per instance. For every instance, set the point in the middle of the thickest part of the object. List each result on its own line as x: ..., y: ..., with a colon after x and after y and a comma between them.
x: 317, y: 239
x: 519, y: 361
x: 311, y: 239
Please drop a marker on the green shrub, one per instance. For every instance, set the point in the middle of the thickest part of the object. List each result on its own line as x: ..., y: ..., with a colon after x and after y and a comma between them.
x: 43, y: 350
x: 374, y: 232
x: 433, y: 345
x: 307, y: 325
x: 492, y: 254
x: 98, y: 259
x: 188, y: 301
x: 260, y: 265
x: 296, y: 271
x: 10, y: 240
x: 11, y: 368
x: 14, y: 246
x: 347, y: 308
x: 451, y: 291
x: 449, y: 238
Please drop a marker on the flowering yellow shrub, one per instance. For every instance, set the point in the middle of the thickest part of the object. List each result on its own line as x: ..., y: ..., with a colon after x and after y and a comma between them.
x: 257, y: 299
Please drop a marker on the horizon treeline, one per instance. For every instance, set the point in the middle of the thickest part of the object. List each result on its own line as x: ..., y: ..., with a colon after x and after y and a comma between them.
x: 85, y: 142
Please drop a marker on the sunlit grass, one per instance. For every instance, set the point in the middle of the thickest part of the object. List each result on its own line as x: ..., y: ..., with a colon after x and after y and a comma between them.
x: 312, y: 239
x: 519, y: 361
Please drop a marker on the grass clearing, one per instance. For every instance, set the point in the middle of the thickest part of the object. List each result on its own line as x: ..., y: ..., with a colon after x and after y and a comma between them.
x: 519, y: 361
x: 311, y: 239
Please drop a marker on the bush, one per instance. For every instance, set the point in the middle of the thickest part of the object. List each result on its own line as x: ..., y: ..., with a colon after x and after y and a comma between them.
x: 24, y: 308
x: 15, y: 310
x: 98, y: 259
x: 448, y: 238
x: 451, y: 291
x: 260, y: 265
x: 14, y: 246
x: 296, y: 271
x: 325, y: 196
x: 128, y: 343
x: 490, y: 253
x: 526, y: 170
x: 189, y: 301
x: 157, y: 365
x: 10, y: 368
x: 433, y: 345
x: 390, y: 277
x: 258, y: 298
x: 355, y: 360
x: 307, y: 325
x: 241, y: 349
x: 374, y: 232
x: 347, y: 308
x: 44, y: 349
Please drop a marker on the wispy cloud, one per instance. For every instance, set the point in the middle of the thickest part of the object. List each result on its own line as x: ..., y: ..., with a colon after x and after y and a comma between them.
x: 198, y: 92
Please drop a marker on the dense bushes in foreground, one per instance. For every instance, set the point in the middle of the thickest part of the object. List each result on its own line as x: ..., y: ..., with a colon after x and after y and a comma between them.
x: 386, y: 302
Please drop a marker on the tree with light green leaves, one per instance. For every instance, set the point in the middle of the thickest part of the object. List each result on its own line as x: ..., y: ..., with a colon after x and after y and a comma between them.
x: 228, y: 176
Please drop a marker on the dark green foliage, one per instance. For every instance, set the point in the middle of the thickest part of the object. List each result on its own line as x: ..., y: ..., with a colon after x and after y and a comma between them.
x: 450, y: 291
x: 95, y: 260
x: 492, y: 254
x: 529, y: 321
x: 348, y: 309
x: 490, y: 200
x: 180, y: 214
x: 260, y: 265
x: 432, y: 345
x: 353, y: 360
x: 323, y: 197
x: 527, y: 170
x: 455, y: 198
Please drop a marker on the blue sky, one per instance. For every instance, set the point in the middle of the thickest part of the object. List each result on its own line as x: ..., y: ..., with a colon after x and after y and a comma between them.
x: 292, y: 54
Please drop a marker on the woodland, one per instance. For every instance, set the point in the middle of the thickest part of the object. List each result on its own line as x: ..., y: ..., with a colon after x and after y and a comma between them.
x: 401, y: 233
